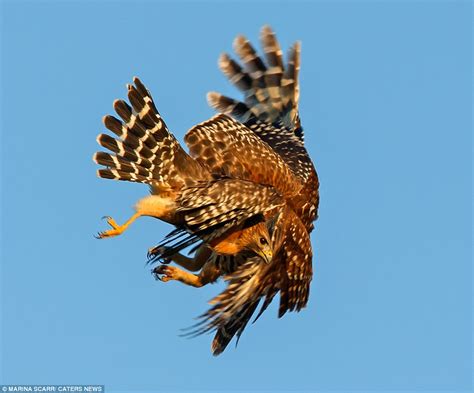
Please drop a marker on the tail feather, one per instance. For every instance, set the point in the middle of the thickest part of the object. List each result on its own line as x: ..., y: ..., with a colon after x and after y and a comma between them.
x: 233, y: 308
x: 235, y: 326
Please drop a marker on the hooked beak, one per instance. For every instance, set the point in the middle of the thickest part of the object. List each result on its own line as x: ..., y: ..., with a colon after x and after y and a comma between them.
x: 266, y: 255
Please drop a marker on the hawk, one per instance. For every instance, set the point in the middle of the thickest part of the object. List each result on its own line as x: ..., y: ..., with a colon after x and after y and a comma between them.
x: 245, y: 196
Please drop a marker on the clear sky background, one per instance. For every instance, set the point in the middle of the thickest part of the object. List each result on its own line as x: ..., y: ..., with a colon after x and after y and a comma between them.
x: 386, y: 106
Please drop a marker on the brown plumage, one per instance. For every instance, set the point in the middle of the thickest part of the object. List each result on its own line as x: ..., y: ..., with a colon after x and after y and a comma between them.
x: 270, y: 112
x: 247, y: 190
x: 184, y: 192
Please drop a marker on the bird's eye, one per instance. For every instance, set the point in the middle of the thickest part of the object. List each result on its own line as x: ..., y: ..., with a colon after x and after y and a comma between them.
x: 263, y: 241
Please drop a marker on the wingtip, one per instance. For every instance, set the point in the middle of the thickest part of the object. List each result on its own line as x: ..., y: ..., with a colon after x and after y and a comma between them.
x: 116, y: 103
x: 212, y: 98
x: 223, y: 60
x: 239, y: 41
x: 216, y: 349
x: 266, y: 29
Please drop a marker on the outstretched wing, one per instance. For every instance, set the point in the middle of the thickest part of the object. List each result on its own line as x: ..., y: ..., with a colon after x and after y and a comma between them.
x: 226, y: 202
x: 271, y: 91
x: 271, y: 94
x: 210, y: 209
x: 145, y: 150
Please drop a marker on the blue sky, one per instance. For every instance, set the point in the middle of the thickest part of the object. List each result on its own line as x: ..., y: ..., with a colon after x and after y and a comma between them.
x: 386, y: 106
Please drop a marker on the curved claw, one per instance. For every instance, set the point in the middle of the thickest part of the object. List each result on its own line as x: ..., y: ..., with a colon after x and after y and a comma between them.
x: 150, y: 256
x: 150, y: 253
x: 115, y: 229
x: 154, y: 254
x: 161, y: 273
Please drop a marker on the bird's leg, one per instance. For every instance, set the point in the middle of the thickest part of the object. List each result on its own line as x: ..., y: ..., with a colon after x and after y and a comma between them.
x: 208, y: 274
x: 116, y: 229
x: 151, y: 205
x: 192, y: 264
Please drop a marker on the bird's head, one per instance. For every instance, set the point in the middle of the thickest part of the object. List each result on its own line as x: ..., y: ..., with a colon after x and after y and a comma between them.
x: 260, y: 242
x: 253, y: 238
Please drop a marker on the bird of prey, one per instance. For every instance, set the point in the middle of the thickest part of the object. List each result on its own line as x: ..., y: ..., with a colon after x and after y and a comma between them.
x: 245, y: 196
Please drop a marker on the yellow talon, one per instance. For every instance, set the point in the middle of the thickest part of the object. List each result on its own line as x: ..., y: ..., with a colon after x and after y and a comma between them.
x: 111, y: 233
x: 116, y: 229
x: 111, y: 222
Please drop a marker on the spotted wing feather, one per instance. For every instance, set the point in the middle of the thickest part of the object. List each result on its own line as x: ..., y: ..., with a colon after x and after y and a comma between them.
x: 229, y: 148
x: 296, y: 255
x: 210, y: 209
x: 271, y: 96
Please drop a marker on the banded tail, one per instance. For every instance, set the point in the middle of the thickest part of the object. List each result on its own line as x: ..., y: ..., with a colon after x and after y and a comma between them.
x: 145, y: 150
x: 234, y: 307
x: 271, y: 89
x: 235, y: 326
